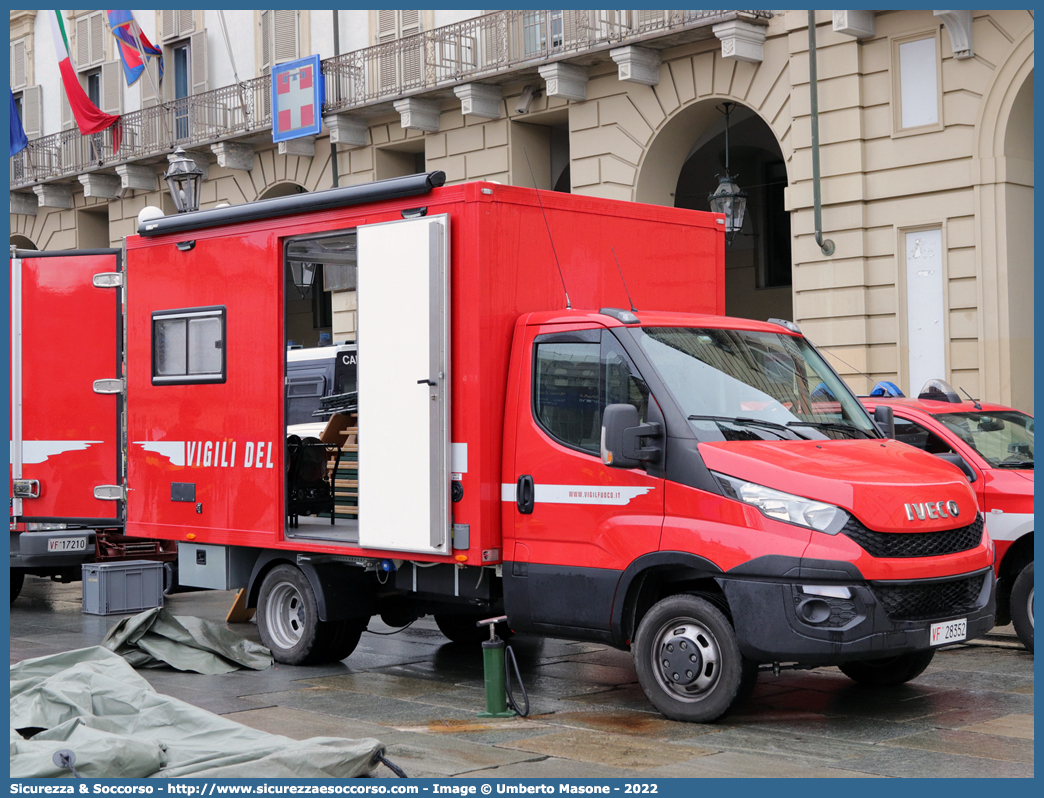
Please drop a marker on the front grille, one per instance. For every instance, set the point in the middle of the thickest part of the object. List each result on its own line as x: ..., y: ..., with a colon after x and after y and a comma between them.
x: 913, y: 601
x: 915, y: 544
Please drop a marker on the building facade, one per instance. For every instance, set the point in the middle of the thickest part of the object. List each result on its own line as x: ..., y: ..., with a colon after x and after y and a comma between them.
x: 925, y: 123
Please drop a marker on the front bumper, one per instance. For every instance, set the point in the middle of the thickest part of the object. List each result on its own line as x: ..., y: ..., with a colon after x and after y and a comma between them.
x: 775, y: 623
x: 30, y: 549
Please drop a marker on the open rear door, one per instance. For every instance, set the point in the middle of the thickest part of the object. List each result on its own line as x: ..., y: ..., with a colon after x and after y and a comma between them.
x: 404, y: 385
x: 65, y: 338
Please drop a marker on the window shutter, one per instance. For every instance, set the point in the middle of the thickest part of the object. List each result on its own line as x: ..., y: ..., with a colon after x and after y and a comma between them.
x: 198, y: 53
x: 266, y: 95
x: 83, y: 42
x: 569, y: 26
x: 32, y: 118
x: 111, y: 85
x: 649, y: 18
x: 411, y: 22
x: 186, y: 22
x: 386, y: 28
x: 412, y: 72
x: 168, y: 24
x: 148, y: 93
x: 266, y: 40
x: 19, y: 65
x: 97, y: 26
x: 68, y: 120
x: 285, y: 36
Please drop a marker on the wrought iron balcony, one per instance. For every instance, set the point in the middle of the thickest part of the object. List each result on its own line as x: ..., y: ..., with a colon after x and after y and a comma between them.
x: 489, y: 47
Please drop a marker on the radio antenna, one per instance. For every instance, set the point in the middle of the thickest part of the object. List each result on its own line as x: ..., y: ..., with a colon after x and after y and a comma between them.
x: 622, y: 280
x: 548, y: 226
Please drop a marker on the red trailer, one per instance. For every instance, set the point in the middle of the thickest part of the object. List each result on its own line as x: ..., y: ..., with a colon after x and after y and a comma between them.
x: 702, y: 490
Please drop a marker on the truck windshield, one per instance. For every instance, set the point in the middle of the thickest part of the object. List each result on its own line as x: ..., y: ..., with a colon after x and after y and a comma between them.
x: 1003, y: 439
x: 744, y: 385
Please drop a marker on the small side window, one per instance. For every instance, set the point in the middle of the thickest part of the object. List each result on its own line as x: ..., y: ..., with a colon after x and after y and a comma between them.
x: 566, y: 395
x: 188, y: 346
x: 574, y: 380
x: 916, y: 435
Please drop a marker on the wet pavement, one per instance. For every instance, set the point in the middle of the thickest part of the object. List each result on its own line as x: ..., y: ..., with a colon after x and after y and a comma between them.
x: 969, y: 715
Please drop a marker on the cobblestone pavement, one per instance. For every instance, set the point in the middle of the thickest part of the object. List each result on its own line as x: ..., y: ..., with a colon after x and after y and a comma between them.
x: 969, y: 714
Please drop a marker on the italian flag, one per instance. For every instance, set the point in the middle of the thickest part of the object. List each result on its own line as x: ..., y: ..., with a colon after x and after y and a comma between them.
x: 89, y: 118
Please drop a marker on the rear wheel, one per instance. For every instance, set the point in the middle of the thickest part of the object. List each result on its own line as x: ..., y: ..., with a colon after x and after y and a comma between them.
x: 288, y: 621
x: 462, y: 628
x: 17, y: 580
x: 1022, y: 606
x: 688, y: 660
x: 890, y: 670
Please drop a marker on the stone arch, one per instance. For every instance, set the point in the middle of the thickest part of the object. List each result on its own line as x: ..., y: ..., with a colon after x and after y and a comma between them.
x: 1000, y: 97
x: 679, y: 165
x: 283, y: 188
x: 673, y: 143
x: 1004, y: 189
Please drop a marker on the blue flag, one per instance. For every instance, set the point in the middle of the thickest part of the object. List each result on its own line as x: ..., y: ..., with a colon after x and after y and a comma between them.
x: 18, y: 139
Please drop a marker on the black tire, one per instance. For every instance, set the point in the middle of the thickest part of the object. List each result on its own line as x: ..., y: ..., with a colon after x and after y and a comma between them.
x: 685, y: 630
x: 1022, y: 606
x: 889, y: 670
x: 288, y: 621
x: 17, y: 580
x: 462, y: 628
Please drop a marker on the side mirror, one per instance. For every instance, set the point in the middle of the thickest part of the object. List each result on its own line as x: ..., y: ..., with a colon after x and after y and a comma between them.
x: 621, y: 434
x: 960, y: 462
x: 884, y: 418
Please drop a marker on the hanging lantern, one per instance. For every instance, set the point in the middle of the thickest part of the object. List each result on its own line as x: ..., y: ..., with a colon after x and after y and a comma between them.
x: 304, y: 276
x: 183, y: 181
x: 729, y: 199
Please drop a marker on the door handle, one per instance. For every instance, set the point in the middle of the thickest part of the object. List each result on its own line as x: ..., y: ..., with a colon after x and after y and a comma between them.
x: 525, y: 494
x: 432, y: 383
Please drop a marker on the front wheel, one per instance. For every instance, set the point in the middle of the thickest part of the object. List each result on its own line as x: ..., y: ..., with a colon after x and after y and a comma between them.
x: 688, y: 660
x: 288, y: 621
x: 889, y: 670
x: 1022, y: 606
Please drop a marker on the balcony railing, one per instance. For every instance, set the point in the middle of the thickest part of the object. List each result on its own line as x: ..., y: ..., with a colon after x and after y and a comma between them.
x: 476, y: 48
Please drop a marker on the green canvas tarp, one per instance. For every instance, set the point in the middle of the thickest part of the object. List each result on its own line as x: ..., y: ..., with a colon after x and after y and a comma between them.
x: 92, y: 702
x: 155, y: 638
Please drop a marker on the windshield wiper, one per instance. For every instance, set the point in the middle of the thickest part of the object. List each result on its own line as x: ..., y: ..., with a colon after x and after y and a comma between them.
x: 748, y: 422
x: 830, y: 425
x: 1016, y: 464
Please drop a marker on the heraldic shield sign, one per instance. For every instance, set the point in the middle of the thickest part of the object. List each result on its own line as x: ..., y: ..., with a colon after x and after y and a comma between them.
x: 297, y: 99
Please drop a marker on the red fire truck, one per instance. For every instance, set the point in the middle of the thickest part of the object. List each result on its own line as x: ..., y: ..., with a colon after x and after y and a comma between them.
x: 665, y: 480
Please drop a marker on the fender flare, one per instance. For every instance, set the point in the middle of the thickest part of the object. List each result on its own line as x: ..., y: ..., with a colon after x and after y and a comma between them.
x: 635, y: 573
x: 341, y: 591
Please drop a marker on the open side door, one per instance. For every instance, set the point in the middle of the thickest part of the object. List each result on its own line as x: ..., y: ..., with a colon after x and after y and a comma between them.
x: 404, y: 385
x: 66, y: 386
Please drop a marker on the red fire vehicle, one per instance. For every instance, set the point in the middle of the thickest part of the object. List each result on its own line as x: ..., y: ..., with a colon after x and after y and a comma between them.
x: 993, y: 445
x: 663, y: 480
x: 66, y: 369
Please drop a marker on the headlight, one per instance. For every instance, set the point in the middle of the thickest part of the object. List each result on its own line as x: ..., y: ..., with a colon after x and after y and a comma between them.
x: 784, y: 506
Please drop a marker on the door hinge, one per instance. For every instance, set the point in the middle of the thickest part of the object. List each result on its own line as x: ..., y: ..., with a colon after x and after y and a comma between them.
x: 110, y: 385
x: 26, y: 488
x: 113, y: 493
x: 108, y: 280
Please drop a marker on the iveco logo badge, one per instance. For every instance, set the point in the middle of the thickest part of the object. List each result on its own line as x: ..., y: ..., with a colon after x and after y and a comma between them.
x: 923, y: 510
